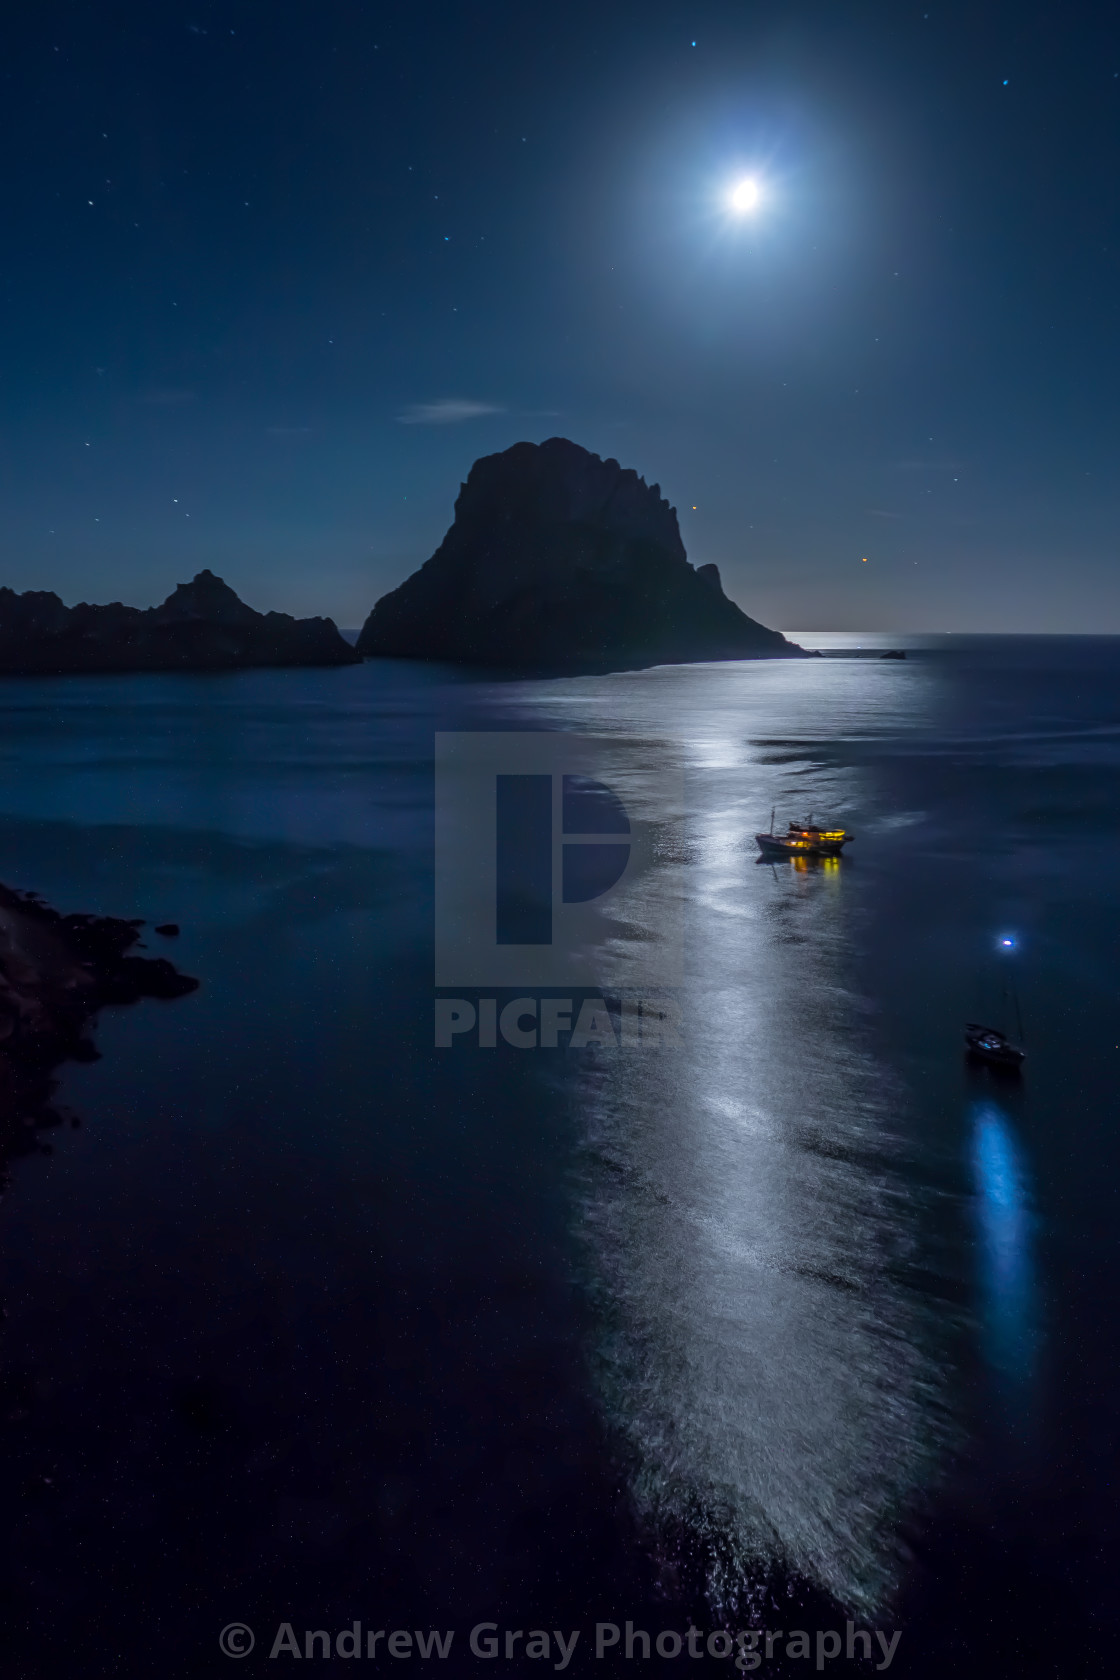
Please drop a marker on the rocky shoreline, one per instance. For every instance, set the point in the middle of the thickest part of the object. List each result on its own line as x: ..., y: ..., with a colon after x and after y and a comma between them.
x: 56, y: 973
x: 202, y: 626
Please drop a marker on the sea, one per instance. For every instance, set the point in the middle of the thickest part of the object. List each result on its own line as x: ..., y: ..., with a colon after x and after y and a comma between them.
x: 315, y: 1329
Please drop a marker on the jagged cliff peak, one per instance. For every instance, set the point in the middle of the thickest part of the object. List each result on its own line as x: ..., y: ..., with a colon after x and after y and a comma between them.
x: 207, y: 596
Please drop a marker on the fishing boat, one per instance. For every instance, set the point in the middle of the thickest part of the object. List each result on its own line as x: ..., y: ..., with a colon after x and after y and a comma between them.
x: 803, y: 840
x: 989, y: 1045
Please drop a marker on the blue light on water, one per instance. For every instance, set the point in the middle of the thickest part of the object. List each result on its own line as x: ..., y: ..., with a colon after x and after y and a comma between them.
x: 1007, y: 1282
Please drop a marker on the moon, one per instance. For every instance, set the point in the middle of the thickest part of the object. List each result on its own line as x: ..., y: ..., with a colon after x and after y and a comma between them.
x: 745, y: 196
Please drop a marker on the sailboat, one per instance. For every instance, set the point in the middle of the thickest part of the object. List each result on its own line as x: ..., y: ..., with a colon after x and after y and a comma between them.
x: 989, y: 1045
x: 993, y: 1047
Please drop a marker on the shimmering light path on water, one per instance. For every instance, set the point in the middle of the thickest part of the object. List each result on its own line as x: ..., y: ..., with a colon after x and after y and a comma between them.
x: 748, y: 1215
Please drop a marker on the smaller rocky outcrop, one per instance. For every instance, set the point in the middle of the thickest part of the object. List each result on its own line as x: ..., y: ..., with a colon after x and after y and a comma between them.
x: 56, y: 972
x: 202, y: 626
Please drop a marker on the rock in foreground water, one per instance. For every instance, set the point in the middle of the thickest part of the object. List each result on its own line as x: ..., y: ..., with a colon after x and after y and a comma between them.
x: 56, y: 972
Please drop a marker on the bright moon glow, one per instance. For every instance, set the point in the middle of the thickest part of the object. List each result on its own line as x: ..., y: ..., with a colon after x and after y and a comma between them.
x: 744, y: 196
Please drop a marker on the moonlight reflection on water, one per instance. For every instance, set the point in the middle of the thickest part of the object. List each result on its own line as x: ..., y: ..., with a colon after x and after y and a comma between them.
x: 745, y: 1217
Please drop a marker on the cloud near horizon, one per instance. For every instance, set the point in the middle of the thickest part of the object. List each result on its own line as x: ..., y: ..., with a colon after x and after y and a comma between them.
x: 446, y: 411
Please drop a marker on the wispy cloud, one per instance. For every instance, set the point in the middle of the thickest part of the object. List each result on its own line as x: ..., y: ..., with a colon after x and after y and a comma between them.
x: 446, y: 411
x: 882, y: 513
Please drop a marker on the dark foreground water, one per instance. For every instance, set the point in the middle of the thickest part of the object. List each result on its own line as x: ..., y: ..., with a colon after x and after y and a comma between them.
x: 799, y: 1323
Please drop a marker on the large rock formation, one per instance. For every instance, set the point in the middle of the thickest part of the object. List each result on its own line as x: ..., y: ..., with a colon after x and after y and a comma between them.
x: 203, y: 626
x: 559, y: 561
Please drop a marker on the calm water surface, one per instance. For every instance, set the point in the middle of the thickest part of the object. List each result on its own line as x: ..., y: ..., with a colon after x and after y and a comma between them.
x: 311, y: 1322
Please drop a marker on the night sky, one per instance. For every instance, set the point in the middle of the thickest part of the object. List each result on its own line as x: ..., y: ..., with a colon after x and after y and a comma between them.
x: 275, y: 274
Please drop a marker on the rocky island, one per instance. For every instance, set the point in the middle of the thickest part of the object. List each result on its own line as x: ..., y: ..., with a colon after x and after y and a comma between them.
x: 560, y: 562
x: 202, y: 626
